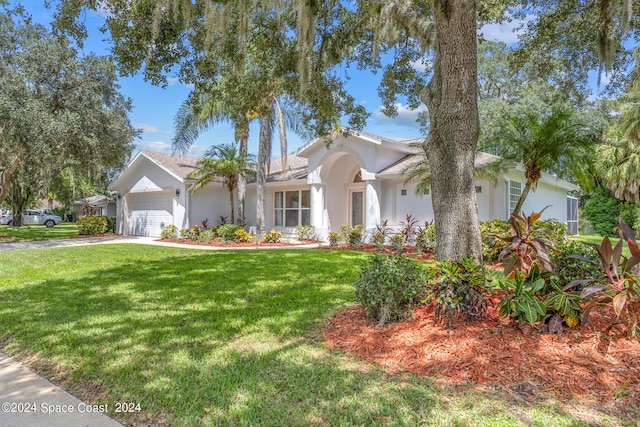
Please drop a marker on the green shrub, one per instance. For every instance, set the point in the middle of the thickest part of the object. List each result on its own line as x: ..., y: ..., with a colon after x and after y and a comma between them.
x: 272, y: 236
x: 555, y: 231
x: 397, y: 243
x: 169, y: 232
x: 242, y: 236
x: 572, y: 262
x: 380, y: 236
x: 226, y: 231
x: 426, y: 237
x: 491, y: 246
x: 458, y: 291
x: 206, y: 236
x: 111, y: 224
x: 408, y: 229
x: 343, y: 234
x: 334, y: 238
x: 187, y: 234
x: 356, y: 235
x: 389, y: 287
x: 521, y: 301
x: 601, y: 209
x: 306, y: 232
x: 90, y: 225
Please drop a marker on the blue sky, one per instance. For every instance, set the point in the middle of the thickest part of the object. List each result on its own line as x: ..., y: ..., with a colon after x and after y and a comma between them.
x: 154, y: 107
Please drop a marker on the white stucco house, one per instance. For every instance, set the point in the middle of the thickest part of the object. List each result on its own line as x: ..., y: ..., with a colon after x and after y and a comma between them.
x: 357, y: 179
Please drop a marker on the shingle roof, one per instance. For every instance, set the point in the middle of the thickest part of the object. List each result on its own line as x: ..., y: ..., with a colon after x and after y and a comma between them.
x: 182, y: 166
x: 176, y: 163
x: 482, y: 159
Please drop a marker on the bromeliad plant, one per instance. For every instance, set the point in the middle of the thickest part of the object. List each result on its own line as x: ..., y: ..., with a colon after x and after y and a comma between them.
x: 619, y: 283
x: 524, y: 248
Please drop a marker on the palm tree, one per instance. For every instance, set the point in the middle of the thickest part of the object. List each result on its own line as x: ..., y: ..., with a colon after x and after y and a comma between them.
x: 224, y: 162
x: 199, y: 113
x: 556, y: 143
x: 618, y: 165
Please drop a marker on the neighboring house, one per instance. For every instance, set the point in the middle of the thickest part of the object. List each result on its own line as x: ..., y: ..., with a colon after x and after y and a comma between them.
x: 355, y: 180
x: 104, y: 205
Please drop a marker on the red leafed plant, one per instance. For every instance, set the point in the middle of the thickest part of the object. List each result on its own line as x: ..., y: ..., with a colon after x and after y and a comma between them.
x: 524, y: 248
x: 618, y: 285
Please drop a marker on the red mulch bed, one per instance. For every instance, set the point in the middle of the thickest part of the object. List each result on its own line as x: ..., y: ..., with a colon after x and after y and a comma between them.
x: 582, y: 362
x: 409, y: 251
x: 217, y: 242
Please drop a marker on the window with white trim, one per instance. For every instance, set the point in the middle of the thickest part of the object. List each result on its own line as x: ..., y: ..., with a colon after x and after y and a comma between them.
x: 515, y: 190
x: 292, y: 208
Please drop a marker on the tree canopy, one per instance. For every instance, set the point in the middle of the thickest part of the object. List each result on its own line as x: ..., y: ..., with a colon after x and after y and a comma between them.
x: 57, y: 111
x: 571, y: 36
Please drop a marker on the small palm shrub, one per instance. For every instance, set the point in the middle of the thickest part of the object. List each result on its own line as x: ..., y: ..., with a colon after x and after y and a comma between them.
x: 226, y: 232
x: 169, y: 232
x: 272, y: 236
x: 242, y: 236
x: 458, y: 291
x: 389, y: 287
x: 91, y: 224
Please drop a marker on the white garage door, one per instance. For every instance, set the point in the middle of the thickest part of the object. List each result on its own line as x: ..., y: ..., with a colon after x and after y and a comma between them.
x: 148, y: 211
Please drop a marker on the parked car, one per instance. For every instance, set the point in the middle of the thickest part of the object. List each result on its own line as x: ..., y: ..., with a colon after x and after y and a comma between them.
x: 5, y: 217
x: 36, y: 217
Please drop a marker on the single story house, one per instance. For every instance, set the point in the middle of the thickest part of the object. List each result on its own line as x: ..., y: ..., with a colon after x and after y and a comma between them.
x: 104, y: 205
x: 357, y: 179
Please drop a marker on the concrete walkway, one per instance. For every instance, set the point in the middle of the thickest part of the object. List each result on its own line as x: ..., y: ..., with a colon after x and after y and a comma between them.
x: 28, y: 400
x: 131, y: 239
x: 81, y: 241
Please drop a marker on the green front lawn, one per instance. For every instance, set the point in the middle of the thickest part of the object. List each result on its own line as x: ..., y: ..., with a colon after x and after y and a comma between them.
x: 28, y: 233
x: 227, y: 338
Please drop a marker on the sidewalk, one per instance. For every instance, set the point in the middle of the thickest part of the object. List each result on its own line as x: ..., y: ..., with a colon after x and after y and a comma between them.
x: 132, y: 239
x: 74, y: 242
x: 28, y: 400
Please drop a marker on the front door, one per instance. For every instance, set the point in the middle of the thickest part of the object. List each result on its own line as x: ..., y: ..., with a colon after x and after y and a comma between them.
x: 356, y: 202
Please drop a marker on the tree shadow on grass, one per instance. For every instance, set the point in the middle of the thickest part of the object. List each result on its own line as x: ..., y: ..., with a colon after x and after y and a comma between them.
x: 222, y: 338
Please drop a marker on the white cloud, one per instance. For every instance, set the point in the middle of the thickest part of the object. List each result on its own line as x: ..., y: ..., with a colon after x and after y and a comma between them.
x: 422, y: 64
x: 406, y: 117
x: 147, y: 128
x: 196, y: 150
x: 154, y: 146
x: 172, y: 81
x: 506, y: 32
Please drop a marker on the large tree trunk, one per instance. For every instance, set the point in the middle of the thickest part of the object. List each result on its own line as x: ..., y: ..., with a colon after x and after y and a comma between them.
x: 451, y: 97
x: 18, y: 204
x: 242, y: 181
x: 261, y: 178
